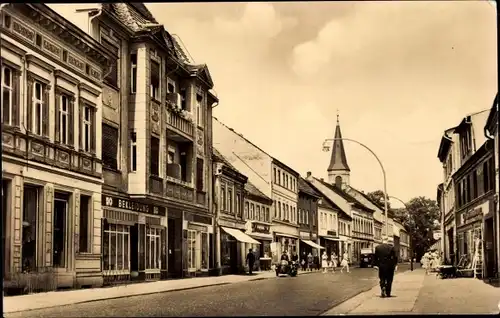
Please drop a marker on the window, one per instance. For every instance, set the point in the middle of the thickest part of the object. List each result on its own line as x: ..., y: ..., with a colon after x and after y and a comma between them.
x: 85, y: 217
x: 283, y: 179
x: 237, y: 205
x: 287, y: 212
x: 258, y: 213
x: 252, y: 211
x: 155, y: 80
x: 280, y: 216
x: 286, y: 181
x: 274, y: 175
x: 247, y: 216
x: 133, y: 74
x: 474, y: 185
x: 199, y: 174
x: 170, y: 86
x: 87, y: 136
x: 29, y: 228
x: 109, y: 146
x: 10, y: 96
x: 64, y: 122
x: 199, y: 109
x: 116, y: 248
x: 230, y: 200
x: 267, y: 215
x: 112, y: 77
x: 7, y: 21
x: 153, y: 248
x: 205, y: 251
x: 39, y: 109
x: 183, y: 94
x: 155, y: 157
x: 38, y: 40
x: 133, y: 152
x: 223, y: 197
x: 191, y: 250
x: 60, y: 218
x: 279, y: 177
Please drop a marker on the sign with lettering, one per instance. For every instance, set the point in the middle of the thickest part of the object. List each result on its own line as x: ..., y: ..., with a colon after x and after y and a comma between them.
x: 473, y: 215
x: 196, y: 227
x: 115, y: 202
x: 260, y: 228
x: 332, y: 233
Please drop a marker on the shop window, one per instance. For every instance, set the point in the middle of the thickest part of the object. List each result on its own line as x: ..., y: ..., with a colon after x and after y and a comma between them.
x: 154, y: 156
x: 205, y: 251
x: 110, y: 146
x: 59, y: 251
x: 155, y: 80
x: 191, y: 250
x: 258, y: 213
x: 153, y: 248
x: 116, y: 248
x: 226, y: 241
x: 84, y: 223
x: 230, y: 200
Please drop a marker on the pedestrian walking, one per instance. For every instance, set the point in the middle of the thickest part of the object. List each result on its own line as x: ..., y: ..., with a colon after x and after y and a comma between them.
x: 334, y: 259
x: 250, y: 261
x: 324, y: 262
x: 304, y: 261
x: 386, y: 261
x: 344, y: 263
x: 310, y: 262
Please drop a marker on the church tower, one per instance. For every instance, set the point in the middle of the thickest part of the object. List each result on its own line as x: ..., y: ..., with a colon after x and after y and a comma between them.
x: 338, y: 170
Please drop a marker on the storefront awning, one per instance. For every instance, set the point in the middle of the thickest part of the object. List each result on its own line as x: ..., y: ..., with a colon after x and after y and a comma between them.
x: 312, y: 244
x: 239, y: 235
x: 330, y: 238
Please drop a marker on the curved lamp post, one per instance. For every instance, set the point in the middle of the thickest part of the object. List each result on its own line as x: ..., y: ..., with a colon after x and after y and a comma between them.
x: 327, y: 148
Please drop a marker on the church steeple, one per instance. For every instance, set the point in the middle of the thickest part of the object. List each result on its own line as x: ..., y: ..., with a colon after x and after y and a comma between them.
x: 338, y: 170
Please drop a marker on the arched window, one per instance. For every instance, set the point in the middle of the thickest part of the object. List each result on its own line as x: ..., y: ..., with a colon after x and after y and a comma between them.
x: 338, y: 181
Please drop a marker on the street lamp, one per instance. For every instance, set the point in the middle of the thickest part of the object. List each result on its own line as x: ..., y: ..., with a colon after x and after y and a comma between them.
x: 327, y: 148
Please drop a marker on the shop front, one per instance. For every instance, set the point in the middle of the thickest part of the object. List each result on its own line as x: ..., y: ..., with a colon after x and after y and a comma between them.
x: 286, y: 242
x: 331, y: 242
x: 234, y: 246
x: 309, y: 245
x: 196, y: 243
x: 470, y: 233
x: 261, y: 232
x: 133, y: 240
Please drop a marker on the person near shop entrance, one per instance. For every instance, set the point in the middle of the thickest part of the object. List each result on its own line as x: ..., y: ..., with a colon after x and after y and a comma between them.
x: 295, y: 257
x: 250, y: 261
x: 324, y: 262
x: 386, y: 262
x: 334, y: 260
x: 310, y: 262
x: 303, y: 262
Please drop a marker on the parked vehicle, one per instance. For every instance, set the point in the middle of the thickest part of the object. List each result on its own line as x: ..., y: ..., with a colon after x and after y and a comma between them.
x: 287, y: 268
x: 366, y: 258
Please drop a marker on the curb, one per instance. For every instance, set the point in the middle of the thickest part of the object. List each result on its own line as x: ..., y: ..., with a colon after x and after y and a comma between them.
x: 118, y: 297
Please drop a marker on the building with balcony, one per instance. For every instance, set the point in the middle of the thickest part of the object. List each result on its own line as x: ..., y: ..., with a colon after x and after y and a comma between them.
x: 307, y: 218
x: 156, y: 148
x: 272, y: 177
x: 52, y: 82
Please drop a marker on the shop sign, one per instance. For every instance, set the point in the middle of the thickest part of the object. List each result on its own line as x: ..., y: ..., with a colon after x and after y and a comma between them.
x: 473, y: 215
x: 260, y: 228
x: 134, y: 206
x: 196, y: 227
x: 305, y: 235
x: 332, y: 233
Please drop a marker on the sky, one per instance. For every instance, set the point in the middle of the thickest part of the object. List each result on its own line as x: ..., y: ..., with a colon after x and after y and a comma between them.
x: 397, y: 73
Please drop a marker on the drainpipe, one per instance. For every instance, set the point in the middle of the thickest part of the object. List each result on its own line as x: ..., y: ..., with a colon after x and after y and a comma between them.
x: 99, y: 12
x: 217, y: 173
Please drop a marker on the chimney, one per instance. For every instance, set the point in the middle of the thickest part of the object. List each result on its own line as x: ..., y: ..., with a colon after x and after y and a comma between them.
x: 309, y: 174
x: 322, y: 180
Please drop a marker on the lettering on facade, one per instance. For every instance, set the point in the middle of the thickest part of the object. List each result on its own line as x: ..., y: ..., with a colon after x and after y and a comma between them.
x: 114, y: 202
x: 332, y: 233
x: 95, y: 74
x: 23, y: 31
x: 196, y: 227
x: 473, y: 215
x: 260, y: 228
x: 76, y: 63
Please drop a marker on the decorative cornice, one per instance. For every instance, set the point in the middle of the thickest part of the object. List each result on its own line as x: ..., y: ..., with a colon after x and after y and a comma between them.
x: 60, y: 89
x: 65, y: 76
x: 30, y: 58
x: 89, y: 89
x: 13, y: 48
x: 84, y: 101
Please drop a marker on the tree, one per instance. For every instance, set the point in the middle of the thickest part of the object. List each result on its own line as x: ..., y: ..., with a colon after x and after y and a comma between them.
x: 419, y: 219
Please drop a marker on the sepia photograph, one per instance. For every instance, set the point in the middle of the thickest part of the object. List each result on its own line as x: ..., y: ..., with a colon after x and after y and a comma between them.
x: 225, y: 159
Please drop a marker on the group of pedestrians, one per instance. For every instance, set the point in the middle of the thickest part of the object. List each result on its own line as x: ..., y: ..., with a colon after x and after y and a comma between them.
x: 333, y: 262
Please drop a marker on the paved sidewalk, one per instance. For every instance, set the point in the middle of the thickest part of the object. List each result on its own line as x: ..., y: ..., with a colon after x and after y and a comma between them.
x: 417, y: 293
x: 60, y: 298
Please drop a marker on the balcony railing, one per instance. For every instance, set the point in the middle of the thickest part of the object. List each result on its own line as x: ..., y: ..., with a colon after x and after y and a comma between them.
x: 179, y: 191
x: 156, y: 185
x: 181, y: 124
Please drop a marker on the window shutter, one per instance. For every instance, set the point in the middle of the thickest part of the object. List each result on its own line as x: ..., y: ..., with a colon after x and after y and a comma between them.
x: 29, y: 104
x: 45, y: 124
x: 80, y: 124
x: 16, y: 99
x: 71, y: 124
x: 109, y: 146
x: 57, y: 114
x: 93, y: 130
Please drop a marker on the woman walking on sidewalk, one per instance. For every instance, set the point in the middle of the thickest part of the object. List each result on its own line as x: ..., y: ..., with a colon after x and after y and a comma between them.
x: 324, y: 262
x: 334, y: 258
x: 345, y: 262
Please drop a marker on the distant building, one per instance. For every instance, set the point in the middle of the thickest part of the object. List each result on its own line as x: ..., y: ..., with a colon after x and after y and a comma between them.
x: 308, y: 218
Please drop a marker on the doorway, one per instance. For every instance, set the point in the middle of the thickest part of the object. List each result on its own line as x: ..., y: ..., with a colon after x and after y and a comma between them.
x: 174, y: 248
x: 5, y: 250
x: 59, y: 238
x: 489, y: 248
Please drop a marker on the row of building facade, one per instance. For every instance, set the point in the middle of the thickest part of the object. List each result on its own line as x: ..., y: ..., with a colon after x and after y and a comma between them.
x: 113, y: 168
x: 468, y: 195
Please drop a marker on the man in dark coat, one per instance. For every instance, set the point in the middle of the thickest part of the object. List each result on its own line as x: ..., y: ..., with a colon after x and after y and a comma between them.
x: 250, y: 261
x: 386, y: 260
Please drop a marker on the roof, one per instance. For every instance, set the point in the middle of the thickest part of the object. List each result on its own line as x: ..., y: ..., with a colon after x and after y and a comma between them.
x: 338, y: 161
x: 491, y: 122
x: 349, y: 198
x: 306, y: 188
x: 364, y: 195
x: 326, y: 202
x: 220, y: 157
x: 250, y: 188
x: 445, y: 144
